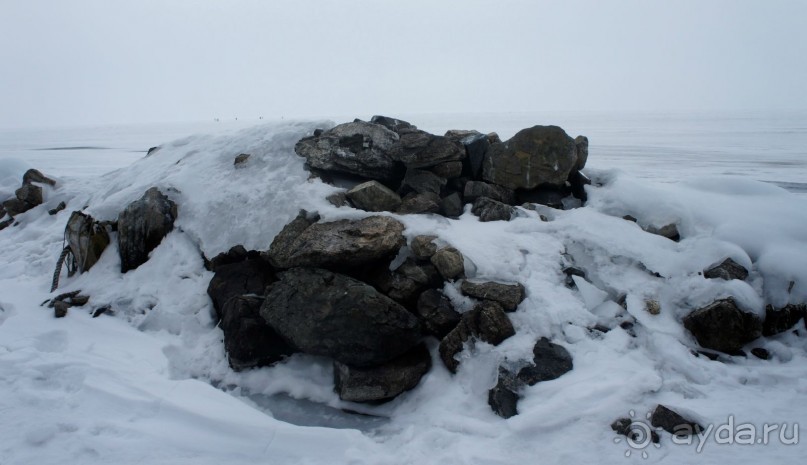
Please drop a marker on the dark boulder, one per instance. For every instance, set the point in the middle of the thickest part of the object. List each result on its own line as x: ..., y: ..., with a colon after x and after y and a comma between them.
x: 33, y: 175
x: 728, y: 270
x: 578, y: 182
x: 490, y: 210
x: 451, y: 205
x: 247, y: 277
x: 142, y: 225
x: 248, y: 340
x: 241, y: 159
x: 779, y: 320
x: 357, y: 148
x: 760, y: 353
x: 408, y: 281
x: 237, y: 253
x: 87, y: 240
x: 6, y: 223
x: 323, y: 313
x: 549, y: 196
x: 541, y: 155
x: 506, y: 295
x: 383, y: 382
x: 26, y: 197
x: 673, y: 423
x: 437, y: 313
x: 53, y: 211
x: 487, y: 322
x: 393, y: 124
x: 415, y: 203
x: 372, y: 196
x: 419, y: 149
x: 476, y: 189
x: 422, y: 182
x: 503, y: 398
x: 341, y: 245
x: 476, y: 146
x: 449, y: 263
x: 723, y: 327
x: 449, y: 169
x: 550, y: 361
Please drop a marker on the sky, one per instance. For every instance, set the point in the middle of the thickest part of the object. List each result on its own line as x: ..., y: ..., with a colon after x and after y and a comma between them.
x: 75, y: 62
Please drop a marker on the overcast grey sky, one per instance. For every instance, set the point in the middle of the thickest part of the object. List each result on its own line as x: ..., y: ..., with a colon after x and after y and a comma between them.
x: 109, y: 61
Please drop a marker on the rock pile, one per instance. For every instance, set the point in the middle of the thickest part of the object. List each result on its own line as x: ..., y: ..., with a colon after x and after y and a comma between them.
x: 28, y: 196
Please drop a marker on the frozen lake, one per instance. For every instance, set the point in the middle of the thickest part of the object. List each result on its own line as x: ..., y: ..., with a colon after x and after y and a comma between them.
x: 666, y: 147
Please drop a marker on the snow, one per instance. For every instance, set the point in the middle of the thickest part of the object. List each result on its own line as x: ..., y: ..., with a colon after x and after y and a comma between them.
x: 151, y: 384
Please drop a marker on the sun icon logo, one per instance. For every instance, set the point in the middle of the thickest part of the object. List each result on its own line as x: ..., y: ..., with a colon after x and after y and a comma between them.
x: 638, y: 434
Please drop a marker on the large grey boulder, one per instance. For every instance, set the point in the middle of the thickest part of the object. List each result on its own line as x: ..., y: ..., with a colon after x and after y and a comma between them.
x: 372, y: 196
x: 357, y: 148
x: 324, y: 313
x: 339, y: 244
x: 384, y: 382
x: 247, y: 277
x: 142, y: 225
x: 722, y: 326
x: 506, y: 295
x: 422, y: 182
x: 414, y: 203
x: 540, y: 155
x: 248, y: 340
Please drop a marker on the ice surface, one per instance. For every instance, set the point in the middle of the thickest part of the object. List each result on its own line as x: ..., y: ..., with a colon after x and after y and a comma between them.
x: 151, y: 384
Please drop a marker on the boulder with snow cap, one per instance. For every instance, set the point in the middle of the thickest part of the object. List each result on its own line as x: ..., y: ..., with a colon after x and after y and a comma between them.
x: 722, y: 326
x: 142, y: 225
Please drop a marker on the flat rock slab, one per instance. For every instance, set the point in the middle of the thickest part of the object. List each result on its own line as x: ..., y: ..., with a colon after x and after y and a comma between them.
x: 372, y: 196
x: 507, y: 295
x: 324, y: 313
x: 340, y: 244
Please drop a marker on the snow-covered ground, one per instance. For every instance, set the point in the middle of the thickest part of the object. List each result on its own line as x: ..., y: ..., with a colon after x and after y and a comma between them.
x: 151, y: 383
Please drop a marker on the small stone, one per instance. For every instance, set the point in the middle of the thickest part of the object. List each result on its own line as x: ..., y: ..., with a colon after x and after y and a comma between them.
x: 630, y: 218
x: 550, y: 361
x: 241, y: 159
x: 509, y: 296
x: 487, y: 321
x: 437, y: 313
x: 449, y: 263
x: 503, y: 398
x: 60, y: 309
x: 760, y: 353
x: 491, y: 210
x: 652, y: 307
x: 669, y: 231
x: 6, y: 223
x: 673, y: 422
x: 423, y: 246
x: 338, y: 199
x: 57, y: 209
x: 415, y: 203
x: 372, y: 196
x: 728, y: 270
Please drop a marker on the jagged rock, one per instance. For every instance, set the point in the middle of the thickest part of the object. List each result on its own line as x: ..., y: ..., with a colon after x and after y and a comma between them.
x: 673, y: 423
x: 384, y: 382
x: 476, y: 189
x: 503, y: 398
x: 408, y: 281
x: 357, y: 148
x: 494, y: 138
x: 248, y: 340
x: 338, y: 199
x: 419, y: 149
x: 60, y: 309
x: 541, y: 155
x: 237, y: 253
x: 372, y: 196
x: 506, y: 295
x: 581, y: 144
x: 392, y: 124
x: 241, y: 159
x: 570, y: 271
x: 423, y: 247
x: 669, y: 231
x: 449, y: 263
x: 87, y: 240
x: 490, y: 210
x: 723, y: 327
x: 415, y: 203
x: 476, y: 145
x: 728, y: 270
x: 324, y: 313
x: 779, y: 320
x: 55, y: 210
x: 142, y: 226
x: 340, y: 244
x: 487, y: 321
x: 449, y: 169
x: 246, y: 277
x: 437, y: 313
x: 451, y: 205
x: 26, y: 197
x: 33, y: 175
x: 550, y: 361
